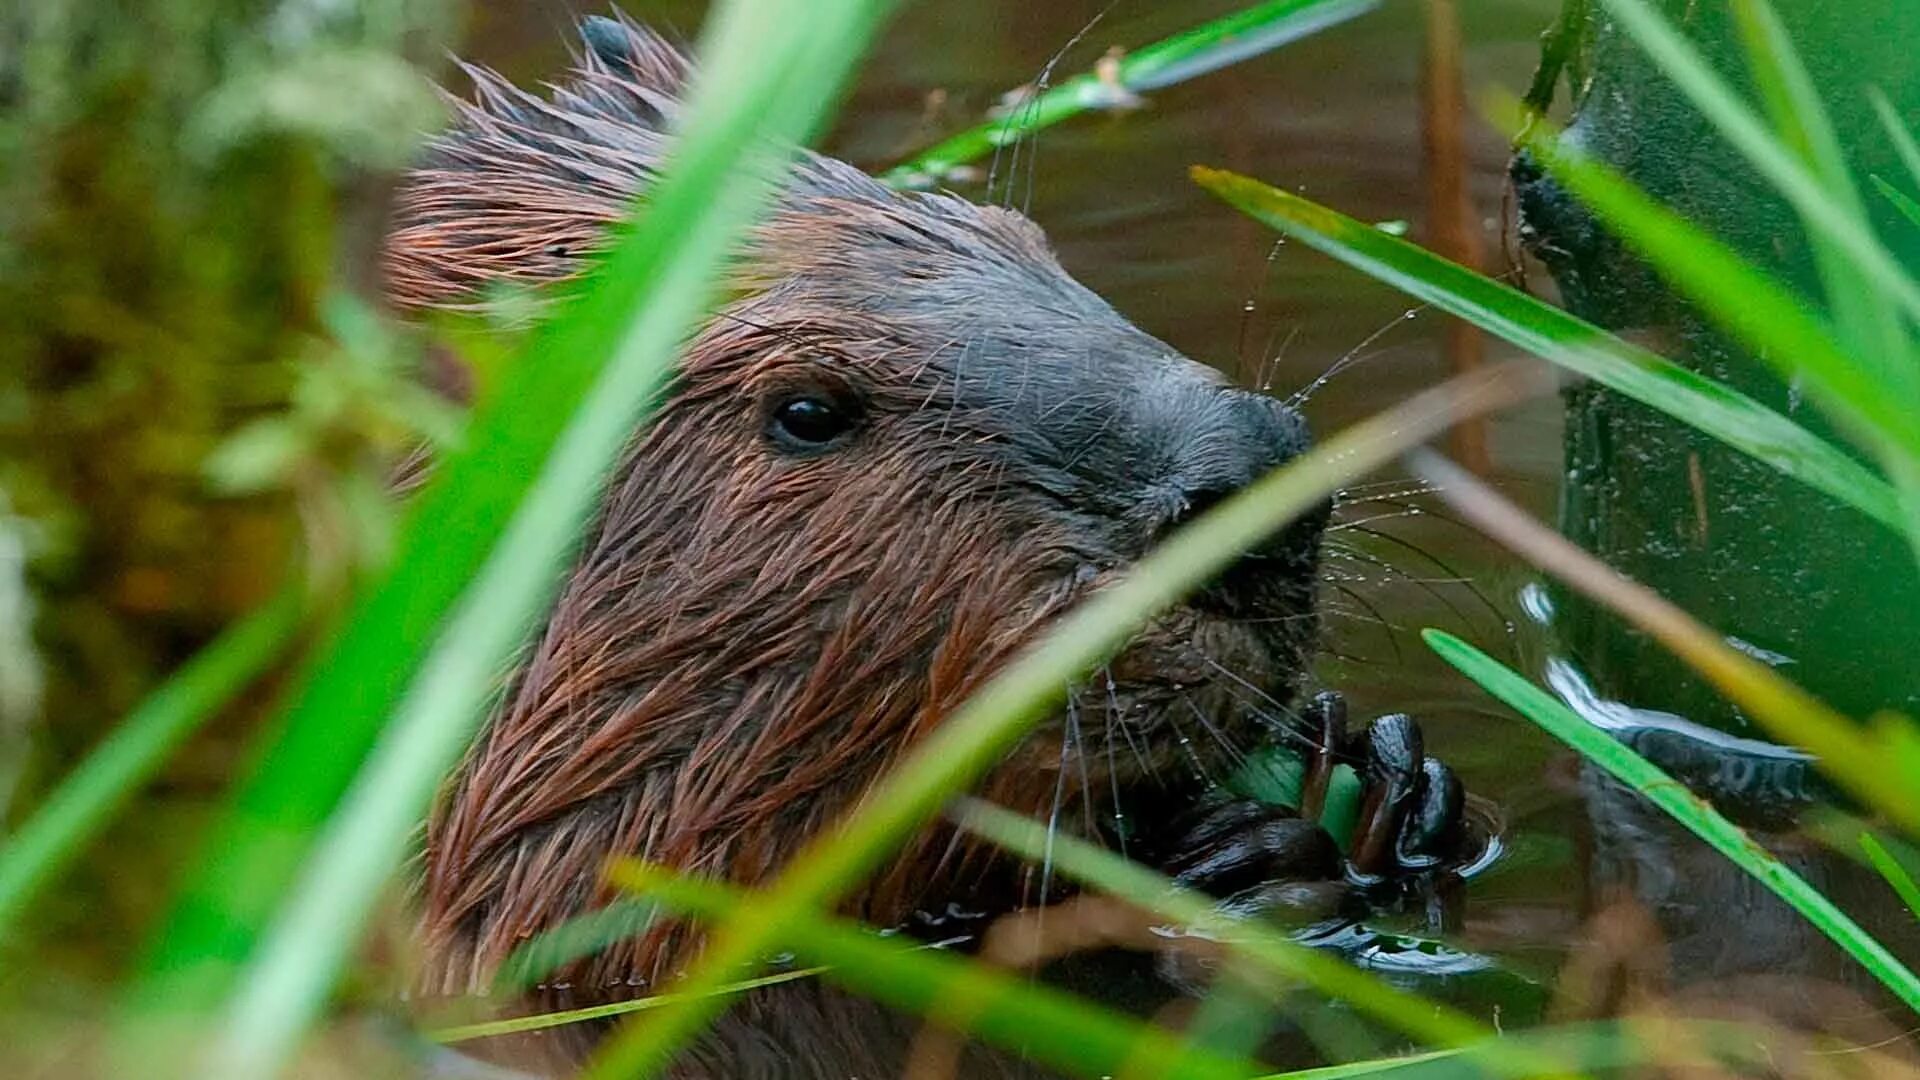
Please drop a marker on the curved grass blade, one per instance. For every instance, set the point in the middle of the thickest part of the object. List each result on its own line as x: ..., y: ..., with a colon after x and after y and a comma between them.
x: 1903, y: 202
x: 517, y: 1025
x: 1889, y: 868
x: 1869, y: 762
x: 1897, y: 133
x: 767, y: 81
x: 86, y: 800
x: 1867, y: 313
x: 1696, y: 815
x: 1192, y: 53
x: 1047, y: 1025
x: 1556, y: 336
x: 998, y: 715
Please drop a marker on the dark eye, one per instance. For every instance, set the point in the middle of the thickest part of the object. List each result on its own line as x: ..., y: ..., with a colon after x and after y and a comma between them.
x: 809, y: 422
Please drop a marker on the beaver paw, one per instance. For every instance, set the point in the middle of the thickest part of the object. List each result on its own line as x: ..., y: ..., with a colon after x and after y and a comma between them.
x: 1409, y: 836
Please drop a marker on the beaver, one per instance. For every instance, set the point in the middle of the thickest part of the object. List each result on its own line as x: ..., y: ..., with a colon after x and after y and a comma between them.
x: 905, y: 444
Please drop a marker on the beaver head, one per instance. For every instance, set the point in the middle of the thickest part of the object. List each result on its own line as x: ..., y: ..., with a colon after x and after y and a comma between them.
x: 903, y: 447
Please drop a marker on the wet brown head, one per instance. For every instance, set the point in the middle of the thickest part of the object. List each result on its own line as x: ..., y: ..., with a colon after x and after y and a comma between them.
x: 893, y: 460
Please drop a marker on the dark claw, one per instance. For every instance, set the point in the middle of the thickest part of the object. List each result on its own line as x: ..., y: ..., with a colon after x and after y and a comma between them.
x: 1432, y: 826
x: 1326, y: 717
x: 1391, y: 774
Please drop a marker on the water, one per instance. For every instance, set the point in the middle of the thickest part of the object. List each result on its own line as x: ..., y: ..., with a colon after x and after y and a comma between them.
x: 1336, y: 118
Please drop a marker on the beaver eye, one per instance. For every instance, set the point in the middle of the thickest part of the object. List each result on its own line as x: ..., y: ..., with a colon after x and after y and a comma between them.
x: 809, y: 423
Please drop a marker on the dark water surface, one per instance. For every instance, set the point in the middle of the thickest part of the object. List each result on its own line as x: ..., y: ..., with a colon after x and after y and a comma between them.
x: 1336, y: 117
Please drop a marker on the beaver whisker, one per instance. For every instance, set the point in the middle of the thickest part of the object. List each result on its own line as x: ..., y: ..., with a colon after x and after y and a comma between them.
x: 1425, y: 585
x: 1457, y: 577
x: 1353, y: 357
x: 1343, y: 526
x: 1067, y: 740
x: 1247, y: 308
x: 1395, y: 491
x: 1113, y: 781
x: 1220, y: 738
x: 1115, y: 715
x: 1394, y: 630
x: 1185, y: 742
x: 1029, y: 104
x: 1270, y: 368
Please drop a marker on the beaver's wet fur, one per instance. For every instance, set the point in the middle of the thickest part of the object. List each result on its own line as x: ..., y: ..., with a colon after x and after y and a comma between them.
x: 778, y: 599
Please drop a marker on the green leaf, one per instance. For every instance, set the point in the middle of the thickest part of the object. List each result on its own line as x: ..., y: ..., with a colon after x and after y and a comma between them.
x: 1689, y: 810
x: 1567, y: 341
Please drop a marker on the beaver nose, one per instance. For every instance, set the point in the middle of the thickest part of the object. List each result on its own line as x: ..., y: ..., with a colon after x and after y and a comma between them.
x: 1238, y: 438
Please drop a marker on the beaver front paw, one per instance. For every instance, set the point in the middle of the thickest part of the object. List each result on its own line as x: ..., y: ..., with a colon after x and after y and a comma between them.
x: 1407, y: 838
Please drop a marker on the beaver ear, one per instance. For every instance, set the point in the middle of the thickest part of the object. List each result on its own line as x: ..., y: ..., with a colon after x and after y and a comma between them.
x: 650, y: 70
x: 522, y: 186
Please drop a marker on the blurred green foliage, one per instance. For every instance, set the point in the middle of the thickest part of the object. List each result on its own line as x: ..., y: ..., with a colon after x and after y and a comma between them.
x: 181, y: 184
x: 172, y: 183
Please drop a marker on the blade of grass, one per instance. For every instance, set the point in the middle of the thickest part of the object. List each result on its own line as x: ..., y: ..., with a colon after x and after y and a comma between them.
x: 768, y: 79
x: 1863, y: 761
x: 86, y: 800
x: 1890, y: 869
x: 1209, y: 47
x: 1682, y: 63
x: 1696, y: 815
x: 1865, y: 311
x: 1006, y: 1008
x: 1901, y: 201
x: 996, y: 717
x: 542, y: 1021
x: 1554, y: 335
x: 1897, y: 133
x: 1870, y: 318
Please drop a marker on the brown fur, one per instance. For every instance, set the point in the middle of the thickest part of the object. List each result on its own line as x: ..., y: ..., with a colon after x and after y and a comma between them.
x: 749, y: 638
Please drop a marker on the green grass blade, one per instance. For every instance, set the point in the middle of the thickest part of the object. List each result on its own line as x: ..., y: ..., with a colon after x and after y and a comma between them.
x: 1240, y: 36
x: 517, y: 1025
x: 1867, y: 314
x: 1006, y: 1008
x: 1897, y: 133
x: 574, y: 939
x: 1696, y: 815
x: 1889, y: 868
x: 1908, y: 207
x: 1829, y: 221
x: 768, y: 80
x: 85, y: 801
x: 996, y: 717
x: 1556, y: 336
